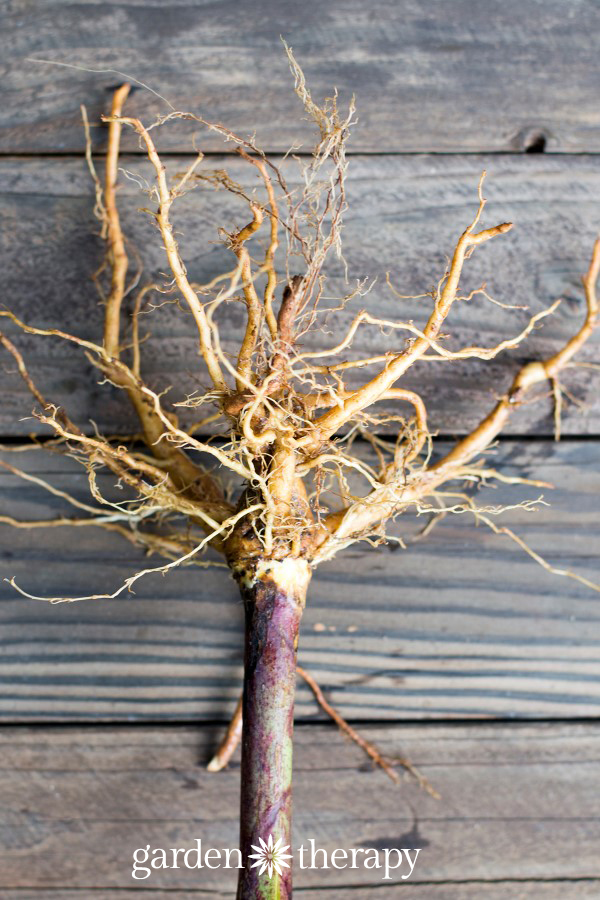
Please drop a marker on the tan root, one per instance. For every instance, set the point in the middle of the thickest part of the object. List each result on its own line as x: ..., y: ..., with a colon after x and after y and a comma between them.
x: 233, y: 735
x: 278, y: 476
x: 284, y: 413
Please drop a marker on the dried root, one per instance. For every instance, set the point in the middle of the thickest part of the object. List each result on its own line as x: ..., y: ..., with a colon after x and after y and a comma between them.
x: 233, y: 735
x: 285, y: 418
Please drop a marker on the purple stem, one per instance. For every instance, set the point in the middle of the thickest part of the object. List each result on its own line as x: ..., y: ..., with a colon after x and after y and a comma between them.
x: 274, y: 595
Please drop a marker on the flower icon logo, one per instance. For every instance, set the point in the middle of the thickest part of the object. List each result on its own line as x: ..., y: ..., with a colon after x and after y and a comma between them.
x: 270, y: 856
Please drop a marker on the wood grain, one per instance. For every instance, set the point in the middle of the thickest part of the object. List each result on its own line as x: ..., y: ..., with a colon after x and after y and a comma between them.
x: 405, y: 217
x: 516, y: 804
x: 462, y: 624
x: 554, y: 889
x: 483, y: 77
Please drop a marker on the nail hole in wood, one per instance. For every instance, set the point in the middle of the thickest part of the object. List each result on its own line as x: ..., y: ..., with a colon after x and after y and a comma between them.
x: 536, y: 143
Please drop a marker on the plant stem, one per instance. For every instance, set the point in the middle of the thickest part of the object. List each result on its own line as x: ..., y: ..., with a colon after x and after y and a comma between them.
x: 274, y: 594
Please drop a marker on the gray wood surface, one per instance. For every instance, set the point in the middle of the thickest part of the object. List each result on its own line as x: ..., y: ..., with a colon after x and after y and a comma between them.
x: 553, y: 889
x: 405, y: 216
x: 431, y: 650
x: 517, y: 803
x: 461, y: 624
x: 475, y: 76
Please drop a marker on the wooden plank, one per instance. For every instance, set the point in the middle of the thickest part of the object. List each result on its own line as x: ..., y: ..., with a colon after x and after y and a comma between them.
x: 405, y: 217
x: 498, y: 890
x: 586, y: 889
x: 516, y: 804
x: 488, y: 77
x: 462, y: 624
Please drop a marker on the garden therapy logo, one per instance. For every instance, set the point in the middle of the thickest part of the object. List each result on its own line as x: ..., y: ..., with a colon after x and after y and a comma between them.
x: 270, y: 856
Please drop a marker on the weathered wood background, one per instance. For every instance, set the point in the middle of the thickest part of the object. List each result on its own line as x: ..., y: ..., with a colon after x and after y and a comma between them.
x: 460, y: 652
